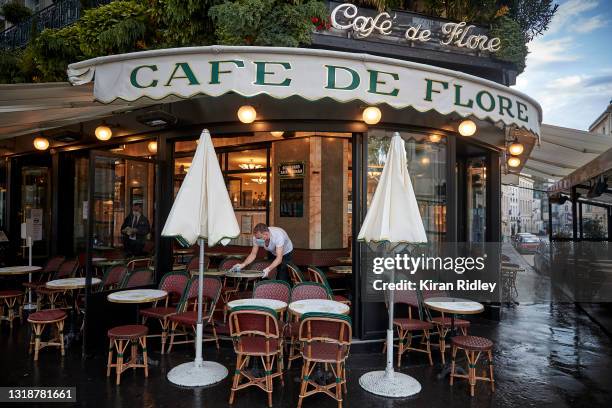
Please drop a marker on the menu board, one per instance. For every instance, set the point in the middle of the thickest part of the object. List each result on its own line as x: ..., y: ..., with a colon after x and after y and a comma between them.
x: 291, y: 197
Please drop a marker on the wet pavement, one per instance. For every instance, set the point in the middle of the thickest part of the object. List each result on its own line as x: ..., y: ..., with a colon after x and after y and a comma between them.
x: 546, y: 355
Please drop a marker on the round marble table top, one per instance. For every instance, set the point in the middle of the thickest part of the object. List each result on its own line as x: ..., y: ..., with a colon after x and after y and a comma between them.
x: 345, y: 269
x: 19, y: 270
x: 98, y: 259
x: 345, y: 260
x: 183, y: 251
x: 245, y: 273
x: 108, y: 262
x: 137, y: 296
x: 71, y: 283
x: 454, y: 305
x: 277, y: 305
x: 300, y: 307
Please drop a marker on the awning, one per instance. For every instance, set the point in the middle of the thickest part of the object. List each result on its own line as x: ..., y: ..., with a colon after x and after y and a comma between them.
x: 308, y: 73
x: 30, y: 108
x: 563, y: 150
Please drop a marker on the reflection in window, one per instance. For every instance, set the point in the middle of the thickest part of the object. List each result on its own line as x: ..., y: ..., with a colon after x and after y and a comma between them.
x: 426, y: 157
x: 594, y: 222
x: 476, y: 199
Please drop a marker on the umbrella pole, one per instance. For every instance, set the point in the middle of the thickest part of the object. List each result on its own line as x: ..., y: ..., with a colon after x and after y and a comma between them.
x: 198, y: 340
x: 389, y: 368
x: 198, y: 373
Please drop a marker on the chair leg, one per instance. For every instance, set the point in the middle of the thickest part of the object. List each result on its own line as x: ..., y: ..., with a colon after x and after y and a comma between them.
x: 145, y: 358
x: 268, y: 374
x: 60, y: 333
x: 214, y: 330
x: 428, y: 345
x: 164, y: 334
x: 119, y: 367
x: 304, y: 384
x: 236, y: 379
x: 452, y: 374
x: 38, y: 329
x: 490, y: 357
x: 471, y: 371
x: 339, y: 384
x: 442, y: 343
x: 110, y: 359
x: 172, y: 329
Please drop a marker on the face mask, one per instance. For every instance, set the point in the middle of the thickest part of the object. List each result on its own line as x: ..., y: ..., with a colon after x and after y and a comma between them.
x: 260, y: 242
x: 136, y: 214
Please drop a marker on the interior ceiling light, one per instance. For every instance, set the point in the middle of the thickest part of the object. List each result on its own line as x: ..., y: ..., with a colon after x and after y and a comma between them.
x: 250, y: 166
x: 277, y: 133
x: 435, y: 138
x: 371, y: 115
x: 247, y: 114
x: 467, y: 128
x: 260, y: 180
x: 152, y: 146
x: 103, y: 132
x: 514, y: 161
x: 41, y: 143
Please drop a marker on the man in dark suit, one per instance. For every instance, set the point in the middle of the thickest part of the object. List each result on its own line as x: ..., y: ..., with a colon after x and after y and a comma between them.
x: 134, y: 230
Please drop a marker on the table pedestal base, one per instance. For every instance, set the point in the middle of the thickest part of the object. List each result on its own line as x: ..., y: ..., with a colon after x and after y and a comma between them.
x: 188, y: 375
x: 29, y: 306
x: 398, y: 386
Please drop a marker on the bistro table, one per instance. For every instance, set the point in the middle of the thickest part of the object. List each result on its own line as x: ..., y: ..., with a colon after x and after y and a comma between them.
x: 299, y: 307
x: 452, y: 306
x: 345, y: 260
x: 277, y: 305
x: 342, y: 269
x: 244, y: 274
x: 22, y: 270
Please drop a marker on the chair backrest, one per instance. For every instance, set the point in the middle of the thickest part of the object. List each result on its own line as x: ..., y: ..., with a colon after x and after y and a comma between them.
x: 174, y: 283
x: 326, y: 328
x: 272, y: 289
x: 253, y: 321
x: 405, y: 296
x: 295, y: 274
x: 51, y: 267
x: 227, y: 263
x: 190, y: 294
x: 140, y: 277
x: 194, y: 263
x: 67, y: 269
x: 211, y: 292
x: 114, y: 276
x: 261, y: 265
x: 309, y: 290
x: 139, y: 263
x: 318, y: 276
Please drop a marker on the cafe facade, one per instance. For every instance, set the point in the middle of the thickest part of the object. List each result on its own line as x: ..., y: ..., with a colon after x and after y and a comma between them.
x: 300, y: 133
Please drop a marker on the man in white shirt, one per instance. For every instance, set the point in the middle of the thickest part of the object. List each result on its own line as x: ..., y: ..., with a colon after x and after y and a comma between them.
x: 276, y: 241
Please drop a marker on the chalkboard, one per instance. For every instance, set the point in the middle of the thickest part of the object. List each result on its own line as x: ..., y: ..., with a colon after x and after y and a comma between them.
x: 291, y: 197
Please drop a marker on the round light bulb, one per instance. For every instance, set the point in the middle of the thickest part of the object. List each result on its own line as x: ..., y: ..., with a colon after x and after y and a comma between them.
x: 516, y: 149
x: 277, y: 133
x: 41, y: 143
x: 435, y: 138
x: 425, y: 161
x: 514, y: 162
x: 247, y: 114
x: 467, y: 128
x: 103, y: 133
x: 372, y: 115
x: 152, y: 146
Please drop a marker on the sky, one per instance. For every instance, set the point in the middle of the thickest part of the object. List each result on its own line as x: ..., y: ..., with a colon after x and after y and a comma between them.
x: 569, y: 67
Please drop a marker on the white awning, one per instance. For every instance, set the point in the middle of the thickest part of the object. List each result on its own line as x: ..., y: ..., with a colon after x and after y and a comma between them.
x: 309, y: 73
x: 563, y: 150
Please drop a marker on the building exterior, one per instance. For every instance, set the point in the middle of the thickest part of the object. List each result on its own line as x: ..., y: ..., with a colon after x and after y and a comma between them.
x: 603, y: 124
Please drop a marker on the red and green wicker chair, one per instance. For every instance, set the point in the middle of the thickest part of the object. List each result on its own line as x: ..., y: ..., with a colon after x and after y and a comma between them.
x: 301, y: 291
x: 113, y: 277
x: 39, y: 320
x: 295, y: 274
x: 473, y: 347
x: 135, y: 279
x: 443, y: 323
x: 50, y: 268
x: 175, y: 283
x: 188, y: 314
x: 405, y: 326
x: 326, y: 340
x: 57, y: 297
x: 260, y: 266
x: 139, y: 263
x: 256, y: 334
x: 11, y: 301
x: 231, y: 287
x: 318, y: 276
x: 272, y: 289
x: 193, y: 267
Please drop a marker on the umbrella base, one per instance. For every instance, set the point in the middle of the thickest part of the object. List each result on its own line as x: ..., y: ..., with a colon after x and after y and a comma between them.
x: 398, y: 386
x: 188, y: 375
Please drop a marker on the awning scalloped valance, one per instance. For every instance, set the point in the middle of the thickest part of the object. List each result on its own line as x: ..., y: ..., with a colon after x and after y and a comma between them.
x: 308, y: 73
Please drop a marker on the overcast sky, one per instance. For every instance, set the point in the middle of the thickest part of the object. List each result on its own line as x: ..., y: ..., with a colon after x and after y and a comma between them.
x: 569, y: 68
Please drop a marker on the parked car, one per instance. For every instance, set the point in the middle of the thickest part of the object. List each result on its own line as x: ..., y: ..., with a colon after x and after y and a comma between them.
x: 527, y: 244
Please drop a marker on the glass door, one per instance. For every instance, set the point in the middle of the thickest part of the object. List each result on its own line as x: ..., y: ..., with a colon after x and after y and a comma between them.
x: 121, y: 206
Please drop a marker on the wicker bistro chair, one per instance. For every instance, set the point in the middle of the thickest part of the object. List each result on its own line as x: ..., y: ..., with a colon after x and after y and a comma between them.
x: 443, y: 323
x: 120, y: 337
x: 255, y: 333
x: 272, y: 289
x: 188, y: 310
x: 50, y: 268
x: 260, y: 266
x: 57, y: 297
x: 139, y: 263
x: 295, y: 274
x: 473, y: 346
x: 175, y: 283
x: 406, y: 326
x: 231, y: 286
x: 317, y: 275
x: 134, y: 279
x: 39, y: 320
x: 10, y: 299
x: 326, y: 340
x: 113, y: 277
x: 301, y: 291
x: 193, y: 267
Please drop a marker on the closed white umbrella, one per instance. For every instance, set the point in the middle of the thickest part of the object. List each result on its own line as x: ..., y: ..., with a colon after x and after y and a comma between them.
x: 393, y: 218
x: 201, y: 211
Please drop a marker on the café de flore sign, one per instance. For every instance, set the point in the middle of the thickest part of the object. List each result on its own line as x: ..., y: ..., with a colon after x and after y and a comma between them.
x: 309, y: 73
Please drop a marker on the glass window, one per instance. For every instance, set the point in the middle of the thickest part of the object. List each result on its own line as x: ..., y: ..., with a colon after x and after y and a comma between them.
x: 562, y: 220
x: 476, y: 199
x: 247, y: 159
x: 426, y: 158
x: 594, y: 222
